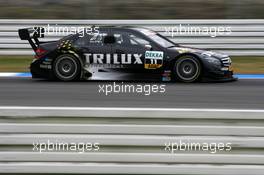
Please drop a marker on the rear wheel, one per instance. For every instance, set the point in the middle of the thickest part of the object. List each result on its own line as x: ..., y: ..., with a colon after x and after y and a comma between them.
x: 187, y: 69
x: 67, y: 68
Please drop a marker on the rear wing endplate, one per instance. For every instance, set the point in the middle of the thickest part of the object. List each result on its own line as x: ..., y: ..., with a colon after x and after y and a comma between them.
x: 32, y: 35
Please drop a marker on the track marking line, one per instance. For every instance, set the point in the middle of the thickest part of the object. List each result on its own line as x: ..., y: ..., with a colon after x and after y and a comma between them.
x: 249, y: 76
x: 28, y: 74
x: 130, y: 109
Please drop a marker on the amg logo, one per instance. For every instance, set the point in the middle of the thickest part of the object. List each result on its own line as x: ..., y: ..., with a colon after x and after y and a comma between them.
x: 113, y: 59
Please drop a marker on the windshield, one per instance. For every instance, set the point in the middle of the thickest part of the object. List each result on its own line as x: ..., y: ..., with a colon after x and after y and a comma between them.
x: 161, y: 40
x: 164, y: 42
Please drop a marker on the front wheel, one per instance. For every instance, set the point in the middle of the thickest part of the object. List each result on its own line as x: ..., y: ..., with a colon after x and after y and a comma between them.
x: 66, y: 68
x: 187, y: 69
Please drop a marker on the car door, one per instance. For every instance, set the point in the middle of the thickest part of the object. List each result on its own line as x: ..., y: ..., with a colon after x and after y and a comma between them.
x: 130, y: 49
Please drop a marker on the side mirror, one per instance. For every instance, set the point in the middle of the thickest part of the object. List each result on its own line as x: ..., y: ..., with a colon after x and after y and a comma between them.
x: 148, y: 47
x: 109, y: 40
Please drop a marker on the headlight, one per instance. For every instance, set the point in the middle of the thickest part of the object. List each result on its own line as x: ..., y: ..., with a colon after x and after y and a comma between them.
x: 213, y: 54
x: 207, y: 53
x: 214, y: 61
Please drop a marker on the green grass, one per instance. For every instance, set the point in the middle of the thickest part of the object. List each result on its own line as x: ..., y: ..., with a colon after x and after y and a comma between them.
x: 252, y: 65
x: 15, y: 63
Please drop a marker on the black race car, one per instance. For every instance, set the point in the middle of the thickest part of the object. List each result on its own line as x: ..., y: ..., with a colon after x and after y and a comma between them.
x: 136, y: 51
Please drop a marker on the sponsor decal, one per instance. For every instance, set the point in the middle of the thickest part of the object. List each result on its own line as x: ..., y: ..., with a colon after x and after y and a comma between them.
x: 113, y: 59
x: 65, y: 45
x: 105, y: 66
x: 45, y: 66
x: 153, y: 59
x: 166, y: 76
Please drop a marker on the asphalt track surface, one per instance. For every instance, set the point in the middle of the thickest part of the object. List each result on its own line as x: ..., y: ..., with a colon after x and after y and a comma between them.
x: 242, y: 94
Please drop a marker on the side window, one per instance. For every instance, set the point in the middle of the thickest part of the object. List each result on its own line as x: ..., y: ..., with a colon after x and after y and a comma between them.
x: 128, y: 40
x: 137, y: 41
x: 119, y: 38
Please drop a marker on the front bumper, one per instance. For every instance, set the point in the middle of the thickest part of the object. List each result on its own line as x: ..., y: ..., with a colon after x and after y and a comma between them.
x: 219, y: 76
x: 218, y: 71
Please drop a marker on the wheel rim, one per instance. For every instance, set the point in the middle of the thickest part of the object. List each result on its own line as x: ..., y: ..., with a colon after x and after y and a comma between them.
x: 66, y: 68
x: 188, y: 69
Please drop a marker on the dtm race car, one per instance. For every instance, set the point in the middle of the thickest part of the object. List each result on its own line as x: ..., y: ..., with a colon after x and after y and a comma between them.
x: 136, y: 51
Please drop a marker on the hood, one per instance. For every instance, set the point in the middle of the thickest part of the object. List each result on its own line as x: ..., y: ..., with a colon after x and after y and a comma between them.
x: 183, y: 49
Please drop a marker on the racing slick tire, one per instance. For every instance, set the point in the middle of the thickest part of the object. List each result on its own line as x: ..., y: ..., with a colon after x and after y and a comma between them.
x: 67, y: 68
x: 187, y: 69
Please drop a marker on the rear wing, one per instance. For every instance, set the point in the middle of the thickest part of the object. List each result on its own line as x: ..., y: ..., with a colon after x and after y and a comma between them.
x: 32, y: 35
